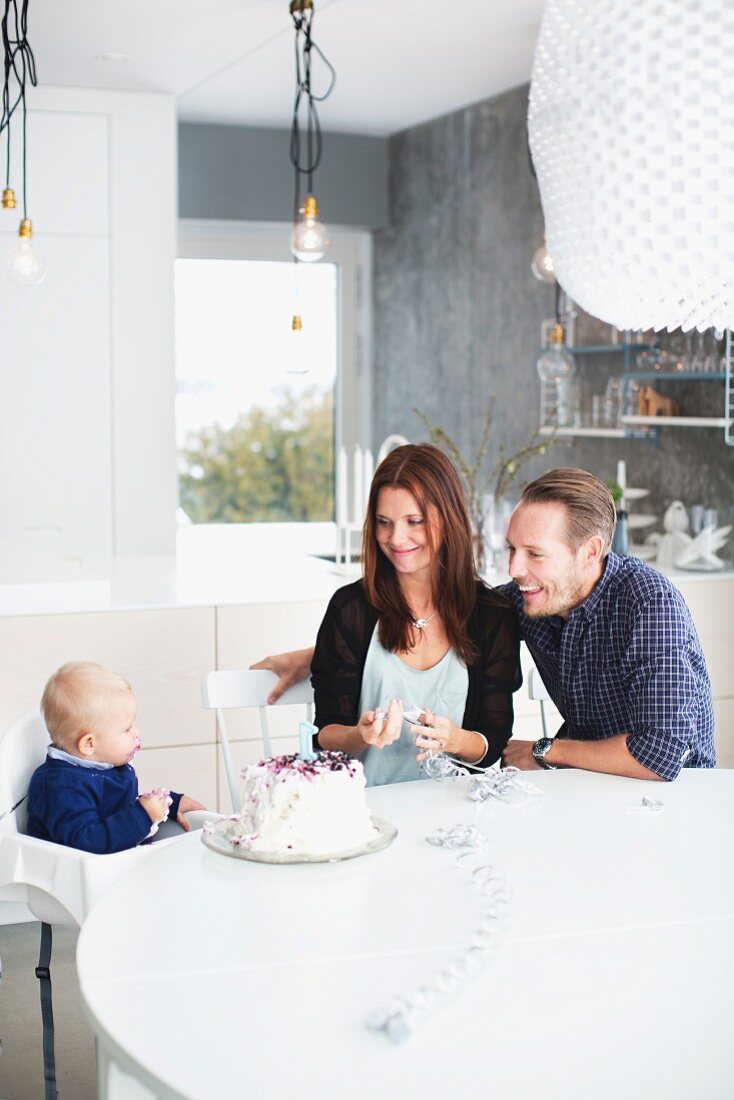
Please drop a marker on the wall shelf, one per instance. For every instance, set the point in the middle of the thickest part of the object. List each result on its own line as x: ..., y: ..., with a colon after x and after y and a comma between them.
x: 633, y: 426
x: 598, y: 433
x: 607, y: 349
x: 674, y: 376
x: 675, y: 421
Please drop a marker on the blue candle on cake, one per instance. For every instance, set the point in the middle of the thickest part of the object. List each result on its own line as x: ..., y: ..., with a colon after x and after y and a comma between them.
x: 306, y: 733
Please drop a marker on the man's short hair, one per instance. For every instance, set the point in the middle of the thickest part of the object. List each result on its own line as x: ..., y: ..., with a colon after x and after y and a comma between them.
x: 76, y: 698
x: 589, y: 505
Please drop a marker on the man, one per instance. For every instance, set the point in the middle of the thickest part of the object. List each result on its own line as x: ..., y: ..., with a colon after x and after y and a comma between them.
x: 612, y: 639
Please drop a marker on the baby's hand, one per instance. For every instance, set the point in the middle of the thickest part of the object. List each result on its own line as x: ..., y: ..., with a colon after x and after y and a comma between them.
x: 156, y: 805
x: 184, y: 806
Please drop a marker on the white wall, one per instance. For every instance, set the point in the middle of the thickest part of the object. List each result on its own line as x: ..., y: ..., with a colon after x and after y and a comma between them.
x: 87, y: 442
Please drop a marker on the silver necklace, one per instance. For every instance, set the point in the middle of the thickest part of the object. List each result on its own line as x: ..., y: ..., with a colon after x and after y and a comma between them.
x: 421, y: 624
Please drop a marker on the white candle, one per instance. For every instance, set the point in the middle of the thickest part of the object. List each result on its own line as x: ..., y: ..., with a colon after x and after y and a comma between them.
x: 342, y: 488
x: 357, y: 486
x: 622, y: 474
x: 369, y: 469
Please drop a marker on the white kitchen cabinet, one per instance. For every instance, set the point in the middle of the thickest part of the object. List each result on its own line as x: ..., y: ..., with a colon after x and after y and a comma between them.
x: 163, y: 653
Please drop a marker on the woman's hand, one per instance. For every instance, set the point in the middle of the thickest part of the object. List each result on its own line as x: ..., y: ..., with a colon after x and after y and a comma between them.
x: 440, y: 736
x: 443, y: 736
x: 378, y: 728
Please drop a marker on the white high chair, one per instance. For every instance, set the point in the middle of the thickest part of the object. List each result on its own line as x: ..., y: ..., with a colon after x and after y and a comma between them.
x: 59, y: 884
x: 247, y: 688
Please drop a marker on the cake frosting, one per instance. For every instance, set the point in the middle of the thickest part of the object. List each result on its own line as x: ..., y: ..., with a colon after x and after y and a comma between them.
x: 303, y: 807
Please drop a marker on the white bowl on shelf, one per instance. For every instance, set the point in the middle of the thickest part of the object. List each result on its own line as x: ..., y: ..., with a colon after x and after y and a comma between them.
x: 635, y: 522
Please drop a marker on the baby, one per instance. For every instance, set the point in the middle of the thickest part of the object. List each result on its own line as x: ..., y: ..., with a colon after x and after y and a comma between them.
x: 86, y: 793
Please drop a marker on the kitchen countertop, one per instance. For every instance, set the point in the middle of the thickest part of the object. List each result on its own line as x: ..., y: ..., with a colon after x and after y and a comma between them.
x: 214, y: 565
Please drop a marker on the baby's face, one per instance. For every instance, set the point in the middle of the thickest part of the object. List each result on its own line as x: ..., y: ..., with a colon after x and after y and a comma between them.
x: 116, y: 738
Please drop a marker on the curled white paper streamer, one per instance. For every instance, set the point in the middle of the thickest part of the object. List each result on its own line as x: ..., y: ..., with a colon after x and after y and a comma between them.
x: 648, y: 805
x: 398, y: 1019
x: 504, y: 784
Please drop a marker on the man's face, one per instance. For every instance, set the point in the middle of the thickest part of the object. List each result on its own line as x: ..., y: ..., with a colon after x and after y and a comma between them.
x: 553, y: 577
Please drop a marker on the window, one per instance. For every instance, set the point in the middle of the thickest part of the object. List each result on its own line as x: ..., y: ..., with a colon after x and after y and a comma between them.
x: 259, y: 407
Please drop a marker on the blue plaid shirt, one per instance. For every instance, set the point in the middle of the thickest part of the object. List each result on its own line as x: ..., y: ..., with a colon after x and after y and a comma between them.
x: 628, y: 660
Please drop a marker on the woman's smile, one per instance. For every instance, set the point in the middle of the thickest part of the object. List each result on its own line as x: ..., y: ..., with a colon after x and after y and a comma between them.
x: 401, y: 531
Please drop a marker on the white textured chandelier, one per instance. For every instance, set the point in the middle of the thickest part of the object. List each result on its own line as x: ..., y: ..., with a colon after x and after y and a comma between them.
x: 631, y: 125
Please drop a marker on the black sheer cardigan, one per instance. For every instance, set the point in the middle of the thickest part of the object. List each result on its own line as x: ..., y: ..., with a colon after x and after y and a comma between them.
x: 341, y: 651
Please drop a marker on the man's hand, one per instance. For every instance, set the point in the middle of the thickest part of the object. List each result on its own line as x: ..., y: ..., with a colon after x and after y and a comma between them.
x: 290, y: 667
x: 519, y: 754
x: 184, y: 806
x: 609, y: 755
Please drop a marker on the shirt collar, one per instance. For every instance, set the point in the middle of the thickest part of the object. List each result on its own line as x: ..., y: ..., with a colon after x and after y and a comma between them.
x: 612, y: 566
x: 59, y: 754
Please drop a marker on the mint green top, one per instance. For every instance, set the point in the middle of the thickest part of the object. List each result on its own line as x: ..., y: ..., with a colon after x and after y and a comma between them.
x: 441, y: 689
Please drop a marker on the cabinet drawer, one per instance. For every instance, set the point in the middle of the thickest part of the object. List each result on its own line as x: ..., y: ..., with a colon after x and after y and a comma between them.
x: 249, y: 632
x: 163, y: 654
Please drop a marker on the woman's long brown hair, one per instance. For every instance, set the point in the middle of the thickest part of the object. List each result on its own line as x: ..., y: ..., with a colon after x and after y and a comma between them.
x: 430, y: 477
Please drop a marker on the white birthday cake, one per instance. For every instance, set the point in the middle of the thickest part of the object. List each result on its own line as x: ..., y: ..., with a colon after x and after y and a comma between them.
x: 302, y: 807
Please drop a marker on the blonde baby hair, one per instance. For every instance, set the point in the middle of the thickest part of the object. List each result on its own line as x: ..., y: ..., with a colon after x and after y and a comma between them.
x: 76, y: 698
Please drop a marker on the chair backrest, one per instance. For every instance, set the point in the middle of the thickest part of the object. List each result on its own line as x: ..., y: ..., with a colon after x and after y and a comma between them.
x: 22, y: 749
x: 247, y: 688
x: 537, y: 690
x: 536, y: 687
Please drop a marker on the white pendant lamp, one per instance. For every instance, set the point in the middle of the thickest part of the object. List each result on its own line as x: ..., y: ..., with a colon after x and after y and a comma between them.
x: 631, y: 126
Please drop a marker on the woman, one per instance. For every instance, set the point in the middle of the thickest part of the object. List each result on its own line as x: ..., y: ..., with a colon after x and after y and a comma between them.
x: 419, y: 632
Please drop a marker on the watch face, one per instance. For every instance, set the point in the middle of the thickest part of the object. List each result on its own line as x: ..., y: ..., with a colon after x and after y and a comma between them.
x: 541, y: 747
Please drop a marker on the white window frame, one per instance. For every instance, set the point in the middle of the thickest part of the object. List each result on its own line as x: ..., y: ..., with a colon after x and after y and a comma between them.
x: 351, y: 251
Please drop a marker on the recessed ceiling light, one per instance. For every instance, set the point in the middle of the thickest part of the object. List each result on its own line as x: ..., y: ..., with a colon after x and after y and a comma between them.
x: 113, y: 58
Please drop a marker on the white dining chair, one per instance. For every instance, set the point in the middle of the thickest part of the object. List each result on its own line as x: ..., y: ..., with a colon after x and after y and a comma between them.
x: 538, y: 691
x: 247, y: 689
x: 60, y: 885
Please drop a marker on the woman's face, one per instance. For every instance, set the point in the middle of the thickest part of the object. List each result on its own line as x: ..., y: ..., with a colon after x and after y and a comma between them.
x: 402, y: 533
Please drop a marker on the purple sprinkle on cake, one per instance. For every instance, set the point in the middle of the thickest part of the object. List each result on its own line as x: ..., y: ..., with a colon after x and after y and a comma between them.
x: 325, y: 761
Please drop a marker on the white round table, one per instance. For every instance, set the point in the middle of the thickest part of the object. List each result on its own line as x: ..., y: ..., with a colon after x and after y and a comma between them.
x: 207, y: 977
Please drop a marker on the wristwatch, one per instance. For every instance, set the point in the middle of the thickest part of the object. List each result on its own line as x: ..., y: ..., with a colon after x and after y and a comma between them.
x: 540, y: 749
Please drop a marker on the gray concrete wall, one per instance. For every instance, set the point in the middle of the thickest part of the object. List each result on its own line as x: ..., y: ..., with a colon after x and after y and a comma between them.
x: 244, y: 174
x: 458, y: 313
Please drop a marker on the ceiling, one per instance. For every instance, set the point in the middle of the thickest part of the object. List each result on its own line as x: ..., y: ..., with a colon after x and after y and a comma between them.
x: 398, y: 62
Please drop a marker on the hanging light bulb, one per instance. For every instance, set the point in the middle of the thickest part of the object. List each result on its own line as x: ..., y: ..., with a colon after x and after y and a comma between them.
x: 555, y: 363
x: 24, y: 264
x: 541, y: 265
x: 297, y: 352
x: 309, y: 239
